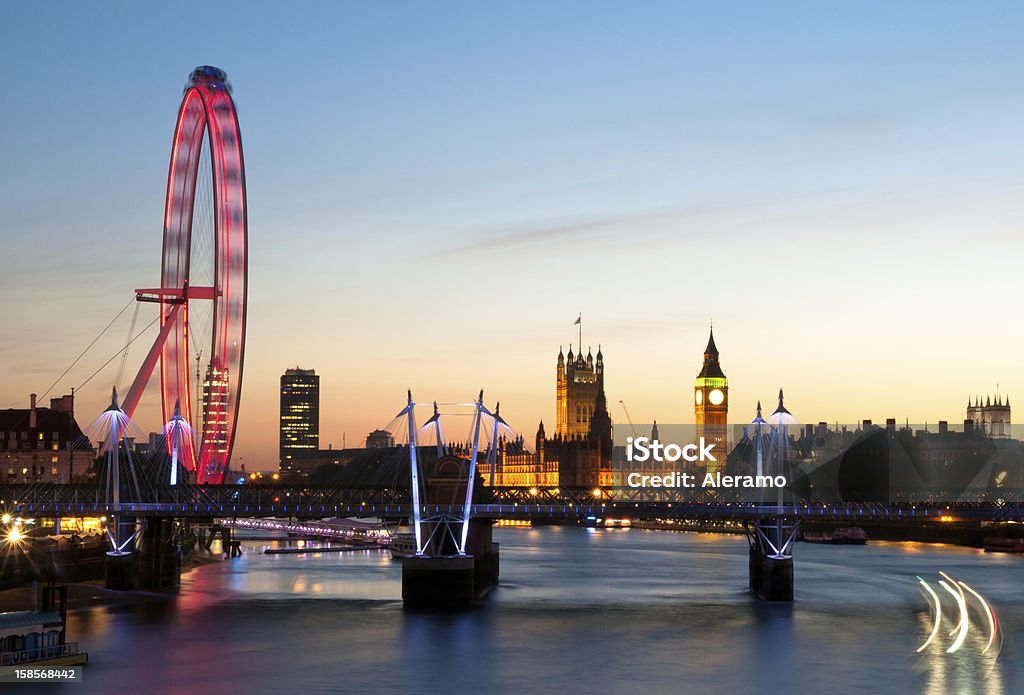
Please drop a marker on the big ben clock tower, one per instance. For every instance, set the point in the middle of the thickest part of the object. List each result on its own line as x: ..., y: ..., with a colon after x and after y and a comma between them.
x: 711, y: 402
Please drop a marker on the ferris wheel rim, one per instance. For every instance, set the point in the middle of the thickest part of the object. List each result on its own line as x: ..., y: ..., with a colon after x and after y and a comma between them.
x: 206, y: 118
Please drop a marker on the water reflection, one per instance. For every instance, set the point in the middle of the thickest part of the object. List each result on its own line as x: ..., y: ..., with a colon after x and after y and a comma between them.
x: 583, y: 610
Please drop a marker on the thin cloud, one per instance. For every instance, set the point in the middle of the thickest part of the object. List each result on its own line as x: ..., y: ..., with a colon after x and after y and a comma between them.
x: 549, y: 233
x: 552, y: 233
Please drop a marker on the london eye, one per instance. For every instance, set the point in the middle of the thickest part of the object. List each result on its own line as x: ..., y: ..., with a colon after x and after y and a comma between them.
x: 203, y: 277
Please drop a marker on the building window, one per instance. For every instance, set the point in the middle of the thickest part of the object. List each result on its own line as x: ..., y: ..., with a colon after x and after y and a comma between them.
x: 53, y: 471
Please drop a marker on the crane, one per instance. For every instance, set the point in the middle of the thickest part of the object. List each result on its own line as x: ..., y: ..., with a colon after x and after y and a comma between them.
x: 629, y: 419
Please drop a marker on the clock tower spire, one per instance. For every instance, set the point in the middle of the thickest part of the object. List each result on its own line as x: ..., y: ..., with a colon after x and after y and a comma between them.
x: 711, y: 401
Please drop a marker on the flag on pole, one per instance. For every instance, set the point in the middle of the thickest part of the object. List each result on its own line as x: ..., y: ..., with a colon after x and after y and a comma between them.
x: 578, y: 320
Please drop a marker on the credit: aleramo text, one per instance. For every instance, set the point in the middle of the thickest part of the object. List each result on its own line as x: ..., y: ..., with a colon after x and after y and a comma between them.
x: 642, y: 450
x: 677, y: 479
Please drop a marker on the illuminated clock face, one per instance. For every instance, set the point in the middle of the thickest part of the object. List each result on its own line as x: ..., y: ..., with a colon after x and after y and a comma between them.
x: 699, y: 396
x: 716, y: 397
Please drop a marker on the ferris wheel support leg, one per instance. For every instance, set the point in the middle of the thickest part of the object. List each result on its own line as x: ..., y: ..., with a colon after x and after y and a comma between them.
x: 131, y: 400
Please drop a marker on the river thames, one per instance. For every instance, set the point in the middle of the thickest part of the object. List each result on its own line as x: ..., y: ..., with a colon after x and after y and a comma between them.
x: 577, y: 610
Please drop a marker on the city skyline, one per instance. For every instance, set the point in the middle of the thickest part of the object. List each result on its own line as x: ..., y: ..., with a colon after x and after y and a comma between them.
x: 418, y: 220
x: 615, y: 408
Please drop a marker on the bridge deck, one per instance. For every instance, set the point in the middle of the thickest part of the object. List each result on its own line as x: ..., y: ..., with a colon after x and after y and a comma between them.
x: 297, y: 501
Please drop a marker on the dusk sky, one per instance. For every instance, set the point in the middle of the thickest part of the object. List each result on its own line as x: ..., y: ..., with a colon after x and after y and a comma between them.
x: 437, y: 190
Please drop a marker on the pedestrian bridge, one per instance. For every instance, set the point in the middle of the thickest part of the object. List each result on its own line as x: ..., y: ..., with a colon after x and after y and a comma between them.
x: 306, y: 502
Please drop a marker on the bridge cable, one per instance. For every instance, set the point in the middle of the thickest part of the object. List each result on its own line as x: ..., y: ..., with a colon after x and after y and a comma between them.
x: 137, y: 336
x: 132, y: 301
x: 124, y: 357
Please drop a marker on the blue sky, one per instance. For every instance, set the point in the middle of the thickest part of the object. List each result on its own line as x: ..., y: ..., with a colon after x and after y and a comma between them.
x: 437, y: 189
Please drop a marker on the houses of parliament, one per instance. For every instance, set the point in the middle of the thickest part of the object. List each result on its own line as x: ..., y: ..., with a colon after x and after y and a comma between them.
x: 580, y: 452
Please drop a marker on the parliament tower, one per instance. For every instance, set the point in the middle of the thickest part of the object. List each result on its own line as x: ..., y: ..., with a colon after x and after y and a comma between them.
x: 711, y: 401
x: 578, y: 381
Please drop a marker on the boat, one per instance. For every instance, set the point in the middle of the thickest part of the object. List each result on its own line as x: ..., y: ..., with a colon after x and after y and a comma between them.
x: 403, y: 544
x: 844, y: 535
x: 1003, y: 545
x: 849, y: 535
x: 37, y: 637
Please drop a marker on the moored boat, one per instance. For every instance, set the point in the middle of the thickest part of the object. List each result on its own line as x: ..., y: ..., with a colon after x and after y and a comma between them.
x: 37, y: 637
x: 849, y: 535
x: 403, y: 544
x: 1003, y: 545
x: 844, y: 535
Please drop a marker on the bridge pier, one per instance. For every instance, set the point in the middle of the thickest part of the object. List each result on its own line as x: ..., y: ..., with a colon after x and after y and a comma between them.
x: 438, y: 583
x: 159, y: 563
x: 121, y: 568
x: 121, y: 572
x: 229, y: 547
x: 153, y: 561
x: 452, y: 582
x: 771, y: 558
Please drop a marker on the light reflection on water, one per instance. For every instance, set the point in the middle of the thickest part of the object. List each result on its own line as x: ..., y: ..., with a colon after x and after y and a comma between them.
x: 576, y: 611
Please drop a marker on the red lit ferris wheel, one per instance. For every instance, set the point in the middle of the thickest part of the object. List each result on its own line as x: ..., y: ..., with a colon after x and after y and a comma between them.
x: 203, y: 277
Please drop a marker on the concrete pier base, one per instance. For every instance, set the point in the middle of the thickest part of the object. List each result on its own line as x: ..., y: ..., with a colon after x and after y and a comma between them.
x: 770, y: 562
x: 438, y: 583
x: 771, y: 579
x: 448, y: 583
x: 121, y: 572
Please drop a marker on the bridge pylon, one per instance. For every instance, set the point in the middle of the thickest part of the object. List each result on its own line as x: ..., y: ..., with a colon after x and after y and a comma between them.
x: 771, y: 535
x: 143, y: 548
x: 455, y: 561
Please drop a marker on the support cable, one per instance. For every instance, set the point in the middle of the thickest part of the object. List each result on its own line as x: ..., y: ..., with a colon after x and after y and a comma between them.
x: 57, y: 381
x: 137, y: 336
x: 124, y: 357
